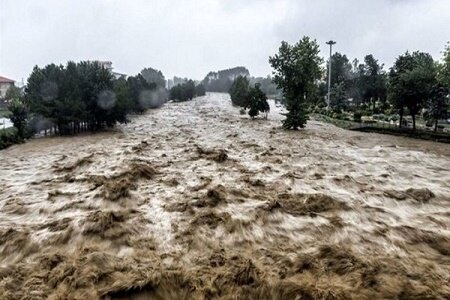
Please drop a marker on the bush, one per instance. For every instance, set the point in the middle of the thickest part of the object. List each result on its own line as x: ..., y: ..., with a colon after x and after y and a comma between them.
x: 339, y: 116
x: 379, y: 117
x: 8, y: 137
x: 357, y: 116
x: 395, y: 118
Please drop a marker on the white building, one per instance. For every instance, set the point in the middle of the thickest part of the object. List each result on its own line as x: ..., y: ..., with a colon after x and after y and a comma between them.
x: 108, y: 66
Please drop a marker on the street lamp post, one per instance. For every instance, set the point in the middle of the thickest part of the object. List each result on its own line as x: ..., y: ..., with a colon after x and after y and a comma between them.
x: 331, y: 43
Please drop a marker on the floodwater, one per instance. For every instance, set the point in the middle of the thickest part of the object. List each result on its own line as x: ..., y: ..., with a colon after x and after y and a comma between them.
x: 195, y: 201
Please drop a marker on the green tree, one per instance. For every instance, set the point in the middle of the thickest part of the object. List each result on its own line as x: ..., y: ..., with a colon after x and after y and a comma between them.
x: 239, y: 91
x: 296, y: 69
x: 42, y: 93
x: 77, y: 95
x: 183, y: 92
x: 444, y: 72
x: 341, y: 80
x: 123, y: 104
x: 13, y: 93
x: 411, y: 81
x: 257, y: 102
x: 18, y: 116
x: 138, y: 88
x: 200, y: 90
x: 438, y: 103
x: 154, y: 76
x: 338, y: 99
x: 374, y: 81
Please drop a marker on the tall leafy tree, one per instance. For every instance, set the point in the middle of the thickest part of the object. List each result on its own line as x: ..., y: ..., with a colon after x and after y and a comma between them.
x: 339, y: 96
x: 296, y: 69
x: 137, y: 87
x: 154, y: 76
x: 411, y: 81
x: 42, y: 93
x: 438, y: 103
x: 374, y: 81
x: 123, y: 104
x: 341, y: 74
x: 444, y: 71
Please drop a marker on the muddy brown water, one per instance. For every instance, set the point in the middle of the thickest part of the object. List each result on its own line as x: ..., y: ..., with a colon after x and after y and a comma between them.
x: 194, y: 201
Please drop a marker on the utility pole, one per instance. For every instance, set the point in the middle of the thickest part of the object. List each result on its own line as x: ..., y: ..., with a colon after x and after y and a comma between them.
x: 331, y: 43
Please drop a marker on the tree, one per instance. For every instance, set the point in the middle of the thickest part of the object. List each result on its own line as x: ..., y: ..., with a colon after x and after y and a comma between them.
x: 444, y: 74
x: 239, y: 91
x: 257, y: 102
x: 18, y: 116
x: 296, y: 69
x: 138, y: 88
x: 154, y: 76
x: 374, y: 81
x: 438, y: 103
x: 123, y: 104
x: 77, y: 95
x: 411, y: 81
x: 13, y: 93
x: 341, y: 70
x: 200, y: 90
x: 183, y: 92
x: 338, y: 97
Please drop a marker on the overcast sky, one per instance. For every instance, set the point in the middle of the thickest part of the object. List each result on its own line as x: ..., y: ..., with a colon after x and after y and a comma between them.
x: 191, y: 37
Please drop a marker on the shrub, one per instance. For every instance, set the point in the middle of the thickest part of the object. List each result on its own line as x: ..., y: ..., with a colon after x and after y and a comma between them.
x: 339, y: 116
x: 8, y: 137
x: 395, y: 118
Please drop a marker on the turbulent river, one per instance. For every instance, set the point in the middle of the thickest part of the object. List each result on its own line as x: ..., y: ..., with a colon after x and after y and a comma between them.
x: 195, y: 201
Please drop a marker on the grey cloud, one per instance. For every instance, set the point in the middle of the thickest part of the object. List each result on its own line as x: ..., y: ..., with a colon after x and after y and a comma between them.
x: 190, y: 38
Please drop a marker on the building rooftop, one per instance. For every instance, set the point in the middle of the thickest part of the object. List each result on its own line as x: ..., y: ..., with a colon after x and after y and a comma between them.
x: 6, y: 80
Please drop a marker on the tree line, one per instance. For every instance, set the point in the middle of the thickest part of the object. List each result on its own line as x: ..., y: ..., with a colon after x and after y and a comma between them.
x: 415, y: 83
x: 83, y: 96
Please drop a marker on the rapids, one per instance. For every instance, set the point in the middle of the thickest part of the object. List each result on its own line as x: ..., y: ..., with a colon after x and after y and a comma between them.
x: 194, y: 200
